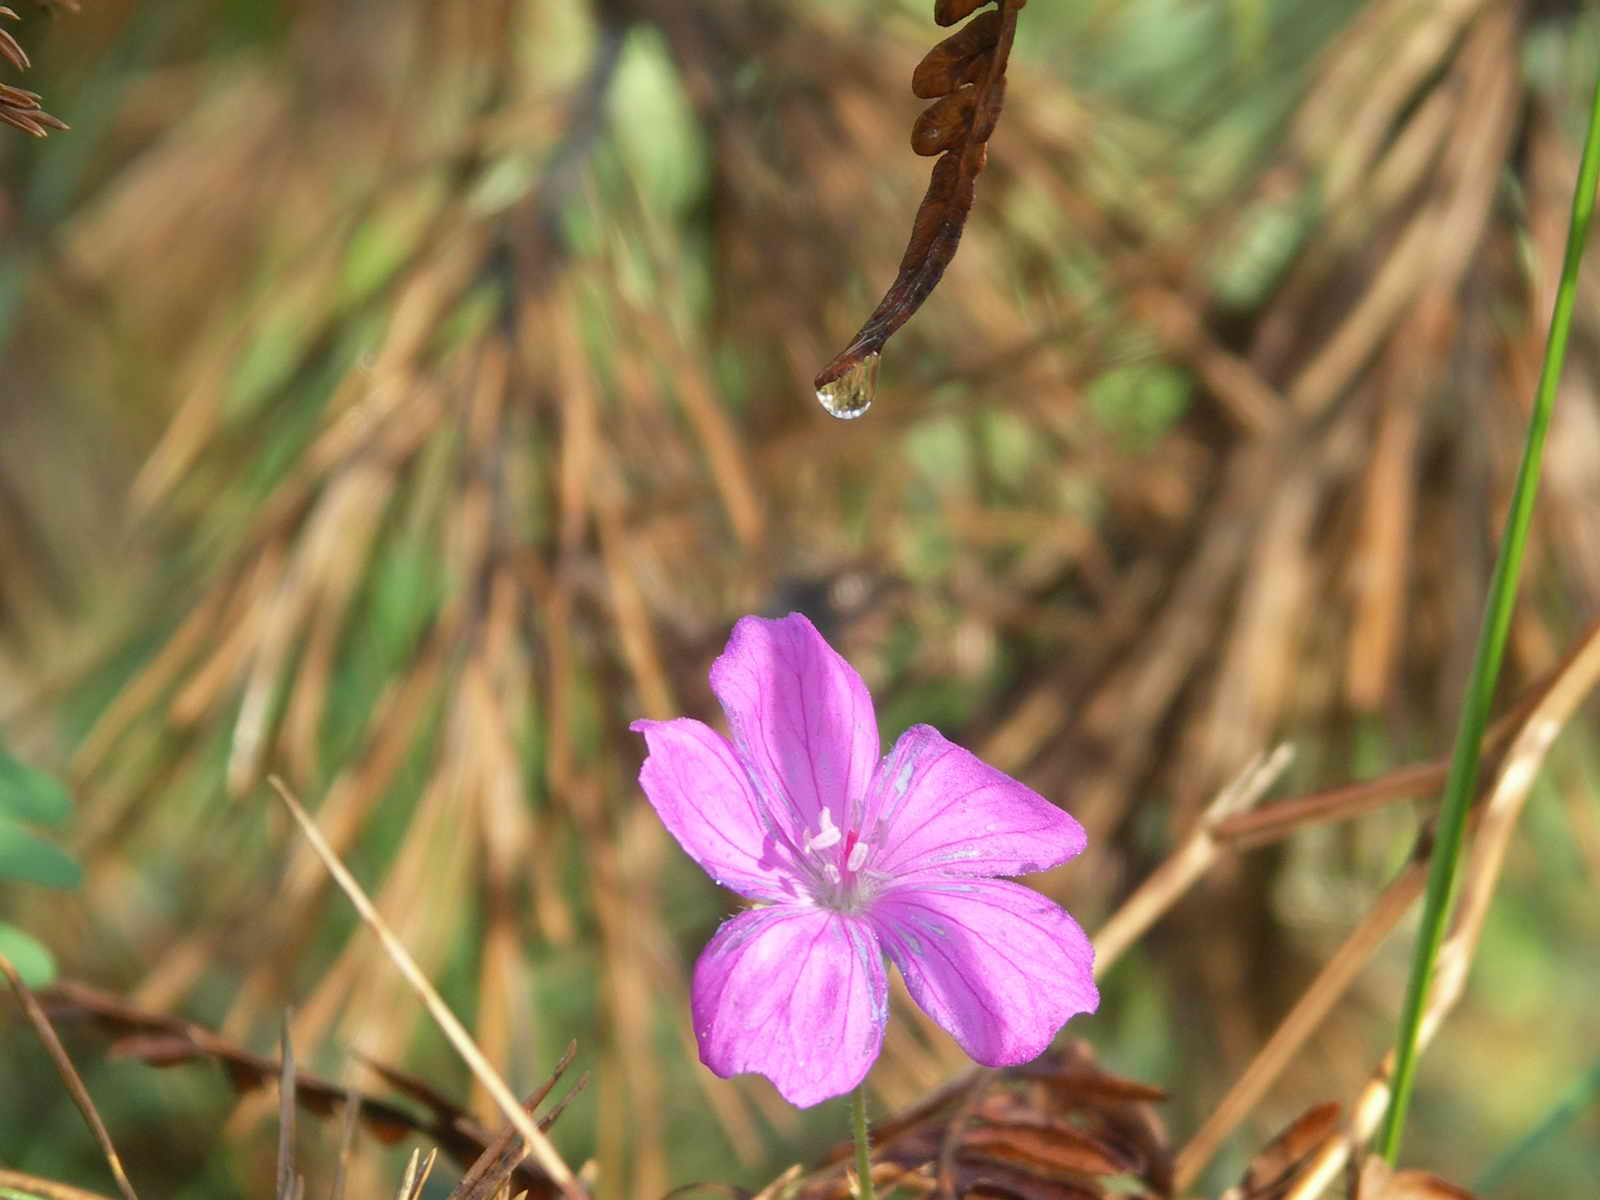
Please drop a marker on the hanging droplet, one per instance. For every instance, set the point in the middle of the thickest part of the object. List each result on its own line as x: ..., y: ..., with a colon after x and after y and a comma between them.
x: 850, y: 395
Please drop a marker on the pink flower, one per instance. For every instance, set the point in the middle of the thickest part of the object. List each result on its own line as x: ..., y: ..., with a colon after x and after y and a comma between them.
x: 850, y: 858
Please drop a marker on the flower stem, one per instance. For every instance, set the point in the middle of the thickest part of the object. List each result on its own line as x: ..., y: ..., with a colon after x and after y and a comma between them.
x: 858, y: 1124
x: 1461, y: 784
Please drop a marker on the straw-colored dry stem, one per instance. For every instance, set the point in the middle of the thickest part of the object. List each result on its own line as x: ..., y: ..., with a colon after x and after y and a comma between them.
x: 69, y: 1075
x: 536, y: 1143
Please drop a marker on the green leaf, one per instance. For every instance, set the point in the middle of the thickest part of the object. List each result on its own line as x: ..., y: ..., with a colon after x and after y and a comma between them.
x: 33, y: 961
x: 31, y: 795
x: 30, y: 859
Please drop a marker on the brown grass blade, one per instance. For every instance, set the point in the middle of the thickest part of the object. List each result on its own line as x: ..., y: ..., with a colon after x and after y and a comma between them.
x: 19, y: 107
x: 9, y: 49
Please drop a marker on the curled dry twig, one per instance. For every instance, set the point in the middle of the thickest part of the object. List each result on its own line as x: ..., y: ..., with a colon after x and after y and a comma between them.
x: 1059, y: 1128
x: 965, y: 77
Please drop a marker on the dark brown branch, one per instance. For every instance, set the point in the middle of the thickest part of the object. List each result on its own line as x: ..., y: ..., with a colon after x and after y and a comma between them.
x: 159, y: 1040
x: 964, y: 75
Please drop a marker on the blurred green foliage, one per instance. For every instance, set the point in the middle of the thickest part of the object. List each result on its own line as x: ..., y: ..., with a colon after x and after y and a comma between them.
x: 30, y: 797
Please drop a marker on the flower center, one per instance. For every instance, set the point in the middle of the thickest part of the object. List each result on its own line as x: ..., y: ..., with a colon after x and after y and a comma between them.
x: 836, y: 861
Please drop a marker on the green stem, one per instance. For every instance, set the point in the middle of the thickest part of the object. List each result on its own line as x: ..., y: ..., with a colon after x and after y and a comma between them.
x: 858, y: 1125
x: 1462, y: 781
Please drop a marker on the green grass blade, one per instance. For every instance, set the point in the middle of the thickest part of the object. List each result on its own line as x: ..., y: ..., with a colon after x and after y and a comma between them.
x: 1573, y: 1105
x: 1462, y: 781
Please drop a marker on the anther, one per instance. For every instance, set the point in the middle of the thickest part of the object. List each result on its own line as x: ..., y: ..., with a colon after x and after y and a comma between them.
x: 828, y: 835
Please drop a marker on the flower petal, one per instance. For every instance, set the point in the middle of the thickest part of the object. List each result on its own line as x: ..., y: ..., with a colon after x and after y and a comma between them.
x: 796, y: 993
x: 802, y: 721
x: 997, y: 965
x: 705, y: 800
x: 935, y: 806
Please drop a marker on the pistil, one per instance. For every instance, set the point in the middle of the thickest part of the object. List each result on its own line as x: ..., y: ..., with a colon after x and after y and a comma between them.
x: 840, y: 879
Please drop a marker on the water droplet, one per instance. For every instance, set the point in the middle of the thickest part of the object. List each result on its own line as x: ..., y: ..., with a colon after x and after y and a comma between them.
x: 850, y: 395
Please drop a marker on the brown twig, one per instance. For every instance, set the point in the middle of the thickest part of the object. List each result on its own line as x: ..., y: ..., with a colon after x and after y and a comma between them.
x: 287, y: 1180
x: 1273, y: 822
x: 1308, y: 1013
x: 69, y: 1075
x: 1179, y: 872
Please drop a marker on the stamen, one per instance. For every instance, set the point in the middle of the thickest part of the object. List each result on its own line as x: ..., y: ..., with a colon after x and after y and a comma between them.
x: 858, y: 856
x: 828, y: 835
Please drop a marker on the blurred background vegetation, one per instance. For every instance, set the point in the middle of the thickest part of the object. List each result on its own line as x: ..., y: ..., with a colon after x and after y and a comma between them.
x: 401, y: 398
